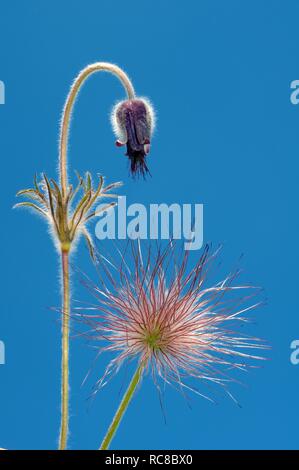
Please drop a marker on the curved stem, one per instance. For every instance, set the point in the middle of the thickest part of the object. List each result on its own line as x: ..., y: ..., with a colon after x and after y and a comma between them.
x: 64, y: 135
x: 68, y: 107
x: 65, y: 351
x: 122, y: 408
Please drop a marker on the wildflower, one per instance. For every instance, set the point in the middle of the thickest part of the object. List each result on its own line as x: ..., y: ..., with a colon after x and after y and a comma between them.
x: 68, y: 210
x: 176, y: 327
x: 163, y: 314
x: 133, y: 123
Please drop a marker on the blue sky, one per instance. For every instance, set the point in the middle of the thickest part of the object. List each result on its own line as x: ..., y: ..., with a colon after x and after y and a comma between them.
x: 219, y: 75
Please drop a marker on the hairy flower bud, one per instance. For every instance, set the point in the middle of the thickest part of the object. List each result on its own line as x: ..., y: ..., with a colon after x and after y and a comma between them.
x: 133, y: 124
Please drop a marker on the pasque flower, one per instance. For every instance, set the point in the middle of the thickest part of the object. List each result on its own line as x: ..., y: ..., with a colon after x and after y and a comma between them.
x: 165, y: 316
x: 68, y: 209
x: 133, y: 122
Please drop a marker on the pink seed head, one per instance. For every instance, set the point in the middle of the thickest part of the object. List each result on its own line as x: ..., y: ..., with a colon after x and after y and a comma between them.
x: 164, y: 314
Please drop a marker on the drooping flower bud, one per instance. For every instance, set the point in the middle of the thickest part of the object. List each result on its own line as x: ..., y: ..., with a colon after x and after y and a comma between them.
x: 133, y: 124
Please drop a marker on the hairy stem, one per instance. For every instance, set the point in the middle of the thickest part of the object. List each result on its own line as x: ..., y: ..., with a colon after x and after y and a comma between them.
x: 65, y: 350
x: 66, y: 245
x: 67, y: 111
x: 122, y: 408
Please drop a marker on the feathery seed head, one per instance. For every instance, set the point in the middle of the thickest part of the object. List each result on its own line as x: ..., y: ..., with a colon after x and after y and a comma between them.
x: 164, y: 314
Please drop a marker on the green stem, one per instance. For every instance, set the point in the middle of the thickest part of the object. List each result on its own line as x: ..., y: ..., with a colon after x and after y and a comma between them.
x: 122, y: 408
x: 65, y: 247
x: 65, y: 351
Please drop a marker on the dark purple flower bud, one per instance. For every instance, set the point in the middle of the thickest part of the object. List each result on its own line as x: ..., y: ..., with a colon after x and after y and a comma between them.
x: 133, y: 124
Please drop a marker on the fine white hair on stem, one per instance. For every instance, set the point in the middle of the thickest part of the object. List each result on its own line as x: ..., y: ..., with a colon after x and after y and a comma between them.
x: 68, y: 209
x: 69, y: 104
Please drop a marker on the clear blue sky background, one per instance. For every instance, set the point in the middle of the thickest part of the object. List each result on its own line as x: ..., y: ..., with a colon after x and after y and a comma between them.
x: 219, y: 75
